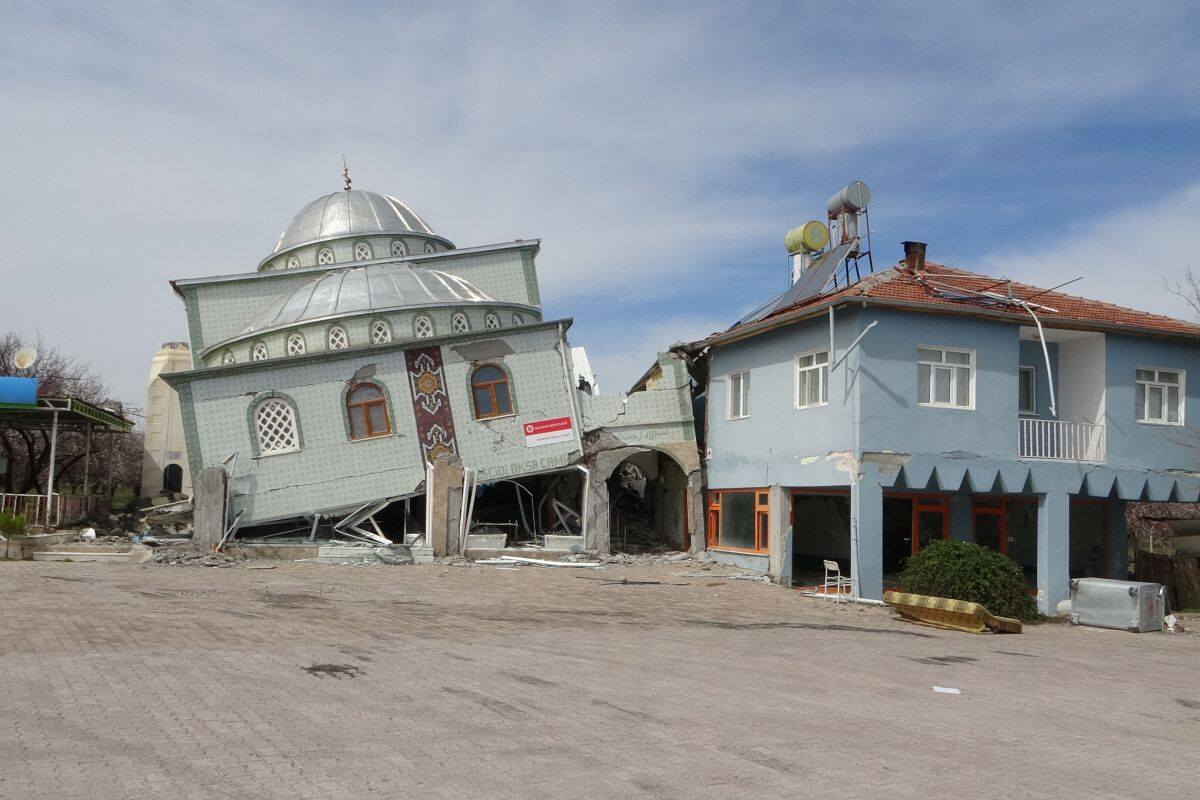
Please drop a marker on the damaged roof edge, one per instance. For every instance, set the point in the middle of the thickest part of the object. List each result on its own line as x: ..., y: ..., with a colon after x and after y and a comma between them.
x: 179, y: 284
x: 800, y: 315
x: 176, y: 379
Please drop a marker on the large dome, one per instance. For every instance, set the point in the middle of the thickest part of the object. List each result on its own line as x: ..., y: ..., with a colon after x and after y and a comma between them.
x: 349, y: 213
x: 358, y: 290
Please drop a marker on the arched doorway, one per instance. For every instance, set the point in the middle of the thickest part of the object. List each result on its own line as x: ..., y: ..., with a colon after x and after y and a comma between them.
x: 173, y: 478
x: 648, y: 511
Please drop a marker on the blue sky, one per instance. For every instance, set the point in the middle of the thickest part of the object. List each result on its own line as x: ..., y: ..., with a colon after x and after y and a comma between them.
x: 660, y: 153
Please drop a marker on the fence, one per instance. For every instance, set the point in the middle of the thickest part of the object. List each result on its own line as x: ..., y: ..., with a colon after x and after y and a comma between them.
x: 64, y: 510
x: 1056, y: 440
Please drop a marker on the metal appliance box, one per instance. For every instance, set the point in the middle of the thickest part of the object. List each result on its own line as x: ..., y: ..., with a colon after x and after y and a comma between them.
x: 1123, y: 605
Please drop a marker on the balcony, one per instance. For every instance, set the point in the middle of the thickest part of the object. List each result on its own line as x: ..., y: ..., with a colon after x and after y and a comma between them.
x: 1056, y: 440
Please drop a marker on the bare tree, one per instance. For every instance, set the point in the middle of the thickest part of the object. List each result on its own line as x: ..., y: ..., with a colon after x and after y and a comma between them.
x: 1187, y: 288
x: 28, y: 452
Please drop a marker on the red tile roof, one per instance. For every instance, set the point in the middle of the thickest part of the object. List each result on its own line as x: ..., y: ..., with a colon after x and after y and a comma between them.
x: 936, y: 287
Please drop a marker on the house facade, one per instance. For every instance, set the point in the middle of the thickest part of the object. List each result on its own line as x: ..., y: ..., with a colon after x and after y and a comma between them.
x: 366, y: 347
x: 925, y: 402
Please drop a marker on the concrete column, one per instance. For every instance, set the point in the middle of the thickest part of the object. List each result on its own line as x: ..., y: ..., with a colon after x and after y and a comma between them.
x: 445, y: 511
x: 697, y: 514
x: 1118, y: 548
x: 779, y: 500
x: 599, y: 520
x: 1053, y: 550
x: 962, y: 522
x: 208, y: 507
x: 866, y: 534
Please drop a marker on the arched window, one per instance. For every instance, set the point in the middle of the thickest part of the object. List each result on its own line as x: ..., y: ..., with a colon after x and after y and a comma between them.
x: 325, y: 256
x: 459, y: 322
x: 259, y: 353
x: 422, y: 327
x: 275, y: 427
x: 518, y: 319
x: 429, y: 248
x: 489, y: 389
x: 295, y: 345
x: 399, y: 248
x: 491, y: 321
x: 362, y: 252
x: 293, y: 262
x: 338, y: 340
x: 366, y: 406
x: 227, y: 357
x: 381, y: 332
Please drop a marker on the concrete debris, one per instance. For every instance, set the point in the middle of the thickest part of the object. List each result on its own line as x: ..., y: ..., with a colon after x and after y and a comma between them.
x: 511, y: 560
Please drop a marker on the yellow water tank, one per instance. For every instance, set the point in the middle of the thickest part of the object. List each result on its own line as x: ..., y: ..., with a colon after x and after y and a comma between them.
x: 808, y: 238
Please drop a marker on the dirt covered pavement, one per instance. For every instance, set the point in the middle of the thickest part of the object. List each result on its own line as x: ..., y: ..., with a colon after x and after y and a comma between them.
x: 305, y: 681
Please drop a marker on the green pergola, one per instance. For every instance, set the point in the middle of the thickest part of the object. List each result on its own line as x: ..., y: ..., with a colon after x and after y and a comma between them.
x: 54, y: 414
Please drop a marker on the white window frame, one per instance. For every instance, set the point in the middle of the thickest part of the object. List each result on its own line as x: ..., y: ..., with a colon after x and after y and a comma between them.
x: 429, y: 326
x: 1182, y: 386
x: 324, y: 260
x: 953, y: 377
x: 822, y: 371
x: 296, y: 345
x: 1029, y: 412
x: 460, y: 323
x: 259, y: 347
x: 399, y: 248
x: 264, y: 431
x: 743, y: 377
x: 331, y: 344
x: 363, y: 247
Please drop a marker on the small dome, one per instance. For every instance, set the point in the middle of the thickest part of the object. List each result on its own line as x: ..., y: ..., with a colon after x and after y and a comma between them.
x: 350, y: 213
x: 380, y: 287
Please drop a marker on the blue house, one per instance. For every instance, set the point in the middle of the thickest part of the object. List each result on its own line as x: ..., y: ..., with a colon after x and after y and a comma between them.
x: 924, y: 402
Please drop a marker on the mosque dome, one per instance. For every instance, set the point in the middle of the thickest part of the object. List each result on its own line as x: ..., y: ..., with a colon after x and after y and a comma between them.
x: 352, y: 212
x: 359, y: 290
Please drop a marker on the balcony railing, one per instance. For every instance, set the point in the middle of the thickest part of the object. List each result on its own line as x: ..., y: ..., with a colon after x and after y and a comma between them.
x: 1055, y: 440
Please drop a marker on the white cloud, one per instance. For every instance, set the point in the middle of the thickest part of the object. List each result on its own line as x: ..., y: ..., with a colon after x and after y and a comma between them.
x: 1124, y: 257
x: 644, y: 144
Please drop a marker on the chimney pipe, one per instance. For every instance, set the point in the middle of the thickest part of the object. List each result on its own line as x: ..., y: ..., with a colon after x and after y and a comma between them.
x: 914, y: 257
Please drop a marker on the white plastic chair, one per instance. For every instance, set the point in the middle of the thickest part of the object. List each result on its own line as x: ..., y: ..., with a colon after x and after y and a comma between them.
x: 834, y: 580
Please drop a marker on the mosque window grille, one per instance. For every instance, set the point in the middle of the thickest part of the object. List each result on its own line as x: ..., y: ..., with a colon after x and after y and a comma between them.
x: 259, y: 352
x: 275, y: 426
x: 227, y: 357
x: 293, y: 262
x: 325, y: 256
x: 429, y: 248
x: 338, y: 340
x: 295, y: 345
x: 491, y: 321
x: 362, y: 252
x: 381, y: 332
x: 399, y: 248
x: 518, y: 319
x: 459, y: 322
x: 423, y: 327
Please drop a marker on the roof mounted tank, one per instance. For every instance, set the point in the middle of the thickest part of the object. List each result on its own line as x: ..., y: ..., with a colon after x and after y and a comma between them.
x: 854, y: 198
x: 811, y: 237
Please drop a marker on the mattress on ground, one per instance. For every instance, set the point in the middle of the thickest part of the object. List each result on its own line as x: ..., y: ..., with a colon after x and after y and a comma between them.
x: 946, y: 613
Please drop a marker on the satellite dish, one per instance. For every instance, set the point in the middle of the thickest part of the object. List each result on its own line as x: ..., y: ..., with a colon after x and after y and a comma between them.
x: 25, y: 358
x: 811, y: 237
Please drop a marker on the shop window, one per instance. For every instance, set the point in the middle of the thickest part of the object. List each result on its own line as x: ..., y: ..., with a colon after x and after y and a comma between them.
x: 738, y: 519
x: 366, y: 407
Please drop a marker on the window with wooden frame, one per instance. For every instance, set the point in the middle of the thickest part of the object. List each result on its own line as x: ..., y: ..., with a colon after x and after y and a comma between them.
x: 812, y: 379
x: 366, y: 408
x: 1159, y: 395
x: 739, y: 519
x: 945, y: 377
x: 490, y: 392
x: 737, y: 400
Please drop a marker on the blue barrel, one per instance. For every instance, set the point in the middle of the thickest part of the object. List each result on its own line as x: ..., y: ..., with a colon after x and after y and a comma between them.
x: 18, y: 391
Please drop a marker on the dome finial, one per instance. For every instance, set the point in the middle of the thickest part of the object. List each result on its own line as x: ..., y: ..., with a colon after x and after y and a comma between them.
x: 346, y: 173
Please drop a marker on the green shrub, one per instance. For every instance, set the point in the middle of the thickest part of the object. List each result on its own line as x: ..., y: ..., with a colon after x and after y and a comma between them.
x: 966, y: 571
x: 11, y: 525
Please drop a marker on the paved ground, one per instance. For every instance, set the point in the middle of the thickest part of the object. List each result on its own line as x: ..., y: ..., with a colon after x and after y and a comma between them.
x: 131, y: 681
